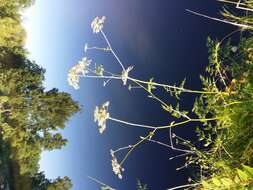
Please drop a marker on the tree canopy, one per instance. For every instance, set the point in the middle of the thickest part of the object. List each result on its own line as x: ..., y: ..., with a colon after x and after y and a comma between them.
x: 30, y: 115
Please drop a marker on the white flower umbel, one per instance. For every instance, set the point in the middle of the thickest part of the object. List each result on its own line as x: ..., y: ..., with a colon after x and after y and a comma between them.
x: 79, y: 69
x: 73, y: 80
x: 97, y: 24
x: 101, y: 114
x: 116, y: 167
x: 125, y: 75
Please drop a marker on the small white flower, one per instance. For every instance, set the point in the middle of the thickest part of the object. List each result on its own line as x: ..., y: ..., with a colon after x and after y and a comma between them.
x: 97, y: 24
x: 124, y: 75
x: 76, y: 70
x: 73, y: 80
x: 99, y: 70
x: 116, y: 167
x: 129, y: 87
x: 234, y: 49
x: 101, y: 114
x: 86, y: 47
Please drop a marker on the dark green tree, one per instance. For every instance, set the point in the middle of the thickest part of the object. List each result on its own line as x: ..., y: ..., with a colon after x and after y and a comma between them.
x: 31, y: 114
x: 61, y: 184
x: 40, y: 182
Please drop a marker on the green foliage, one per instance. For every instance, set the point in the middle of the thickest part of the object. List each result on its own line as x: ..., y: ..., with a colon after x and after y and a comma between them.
x: 12, y: 33
x: 12, y: 8
x: 141, y: 186
x: 235, y: 179
x: 60, y: 184
x: 30, y: 113
x: 40, y: 182
x: 30, y: 116
x: 226, y: 160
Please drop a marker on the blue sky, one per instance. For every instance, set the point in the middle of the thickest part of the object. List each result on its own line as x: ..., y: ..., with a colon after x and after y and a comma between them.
x: 160, y: 39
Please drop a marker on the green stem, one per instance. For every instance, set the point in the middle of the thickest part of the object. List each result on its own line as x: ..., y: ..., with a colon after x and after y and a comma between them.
x: 175, y: 87
x: 100, y: 77
x: 110, y: 47
x: 189, y: 120
x: 154, y: 130
x: 166, y: 126
x: 232, y: 103
x: 168, y: 146
x: 137, y: 144
x: 132, y: 124
x: 100, y: 182
x: 244, y: 26
x: 98, y: 48
x: 184, y: 186
x: 159, y: 100
x: 123, y: 148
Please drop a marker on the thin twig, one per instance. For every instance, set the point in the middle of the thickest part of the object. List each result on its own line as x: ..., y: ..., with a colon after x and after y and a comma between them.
x: 110, y: 47
x: 132, y: 124
x: 226, y: 1
x: 100, y: 182
x: 184, y: 186
x: 166, y: 145
x: 137, y: 144
x: 123, y: 148
x: 220, y: 20
x: 180, y: 155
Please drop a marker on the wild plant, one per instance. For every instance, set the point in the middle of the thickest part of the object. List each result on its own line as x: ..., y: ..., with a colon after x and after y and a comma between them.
x: 223, y: 108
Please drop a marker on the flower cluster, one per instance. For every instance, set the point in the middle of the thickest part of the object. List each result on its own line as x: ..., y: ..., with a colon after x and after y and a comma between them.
x: 97, y: 24
x: 124, y: 75
x: 99, y: 70
x: 79, y: 69
x: 101, y: 114
x: 116, y: 167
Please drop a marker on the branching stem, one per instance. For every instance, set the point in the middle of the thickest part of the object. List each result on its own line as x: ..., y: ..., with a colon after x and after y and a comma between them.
x: 110, y: 47
x: 184, y: 186
x: 244, y: 26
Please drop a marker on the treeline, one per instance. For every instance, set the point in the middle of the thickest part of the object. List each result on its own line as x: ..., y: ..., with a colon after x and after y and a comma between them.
x: 30, y: 116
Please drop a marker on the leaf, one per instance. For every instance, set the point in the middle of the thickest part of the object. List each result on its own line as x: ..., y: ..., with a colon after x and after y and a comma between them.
x: 248, y: 170
x: 183, y: 83
x: 242, y: 175
x: 216, y: 181
x: 227, y: 182
x: 205, y: 184
x: 99, y: 70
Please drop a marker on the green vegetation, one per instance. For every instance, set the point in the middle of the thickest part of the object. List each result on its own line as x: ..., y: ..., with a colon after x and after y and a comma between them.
x: 226, y: 160
x: 30, y: 116
x: 140, y: 186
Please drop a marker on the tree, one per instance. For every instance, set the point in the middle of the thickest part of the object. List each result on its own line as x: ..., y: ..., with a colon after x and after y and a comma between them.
x: 12, y: 8
x: 30, y: 113
x: 12, y: 33
x: 52, y: 141
x: 61, y: 184
x: 40, y: 182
